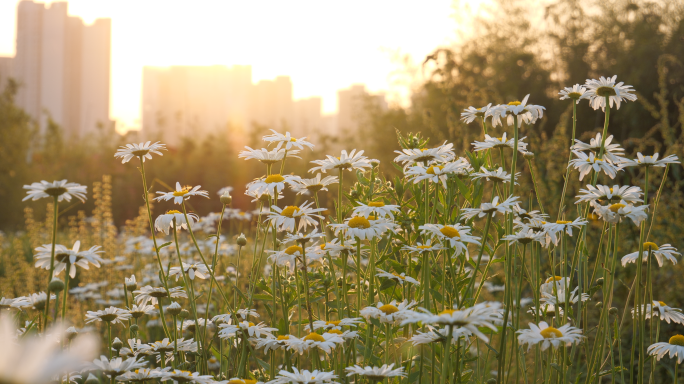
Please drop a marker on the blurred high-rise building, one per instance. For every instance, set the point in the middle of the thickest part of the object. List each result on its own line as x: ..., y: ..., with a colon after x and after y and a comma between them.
x: 354, y: 106
x: 63, y: 67
x: 5, y: 71
x: 307, y: 116
x: 272, y: 103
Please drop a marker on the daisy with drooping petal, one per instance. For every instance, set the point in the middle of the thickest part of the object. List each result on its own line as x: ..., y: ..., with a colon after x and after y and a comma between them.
x: 110, y: 315
x: 117, y: 366
x: 334, y: 324
x: 598, y: 90
x: 456, y: 235
x: 586, y: 164
x: 181, y: 194
x: 376, y: 209
x: 612, y: 152
x: 435, y: 335
x: 141, y: 150
x: 493, y: 208
x: 665, y: 251
x: 363, y: 228
x: 138, y: 311
x: 33, y: 301
x: 438, y: 173
x: 351, y: 161
x: 499, y: 142
x: 267, y: 157
x: 62, y: 190
x: 562, y: 226
x: 630, y: 194
x: 193, y: 269
x: 674, y: 347
x: 481, y: 315
x: 325, y: 342
x: 618, y: 212
x: 526, y: 113
x: 662, y: 311
x: 471, y: 113
x: 376, y: 373
x: 271, y: 184
x: 549, y: 336
x: 576, y: 92
x: 285, y: 218
x: 67, y: 257
x: 399, y: 278
x: 498, y: 176
x: 389, y: 313
x: 648, y: 161
x: 558, y: 298
x: 165, y: 222
x: 287, y: 140
x: 314, y: 185
x: 149, y: 294
x: 442, y: 154
x: 526, y: 235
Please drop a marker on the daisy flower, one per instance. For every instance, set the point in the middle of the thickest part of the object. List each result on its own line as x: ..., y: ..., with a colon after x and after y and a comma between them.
x: 522, y: 214
x: 363, y: 228
x: 674, y: 347
x: 138, y: 311
x: 351, y: 161
x: 151, y: 294
x: 267, y: 157
x: 389, y: 313
x: 285, y: 218
x: 499, y: 142
x: 627, y: 193
x: 526, y: 113
x: 481, y: 315
x: 117, y: 366
x: 271, y: 184
x: 67, y: 257
x: 376, y: 209
x: 549, y: 336
x: 142, y: 375
x: 560, y: 226
x: 498, y: 176
x: 334, y: 324
x: 181, y: 194
x: 648, y: 161
x: 420, y: 247
x: 288, y: 140
x: 164, y: 222
x: 187, y: 377
x: 471, y: 113
x: 254, y: 330
x: 325, y: 342
x: 558, y: 298
x: 494, y: 207
x: 612, y: 152
x: 659, y: 252
x: 111, y: 315
x: 195, y: 269
x: 401, y: 279
x: 586, y: 164
x: 314, y: 185
x: 271, y: 343
x: 438, y: 173
x: 597, y: 90
x: 576, y: 92
x: 34, y: 301
x: 663, y: 311
x: 304, y: 377
x: 456, y: 235
x: 526, y: 235
x: 438, y: 335
x: 141, y: 150
x: 442, y: 154
x: 62, y: 190
x: 376, y: 373
x: 137, y: 348
x: 617, y: 212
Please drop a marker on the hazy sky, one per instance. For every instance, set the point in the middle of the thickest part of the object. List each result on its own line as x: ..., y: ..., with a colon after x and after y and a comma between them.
x: 322, y: 45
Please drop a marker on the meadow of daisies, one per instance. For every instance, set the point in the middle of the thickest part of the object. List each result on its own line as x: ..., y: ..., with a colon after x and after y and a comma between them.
x: 395, y: 281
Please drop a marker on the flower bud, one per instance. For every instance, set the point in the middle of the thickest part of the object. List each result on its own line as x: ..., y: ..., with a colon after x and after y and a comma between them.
x: 174, y: 309
x: 242, y: 240
x: 184, y: 314
x: 491, y: 381
x: 528, y: 155
x: 56, y: 285
x: 130, y: 283
x: 134, y: 328
x: 613, y: 311
x: 599, y: 282
x: 117, y: 344
x: 599, y: 304
x: 226, y: 198
x: 92, y: 379
x: 375, y: 162
x: 71, y: 333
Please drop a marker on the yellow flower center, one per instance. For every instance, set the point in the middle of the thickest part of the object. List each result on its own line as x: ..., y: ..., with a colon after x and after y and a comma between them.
x: 652, y: 246
x: 677, y: 340
x: 334, y: 322
x: 335, y: 331
x: 173, y: 211
x: 314, y: 337
x: 376, y: 204
x: 359, y: 222
x: 514, y: 103
x: 248, y: 381
x: 284, y: 337
x: 251, y: 324
x: 563, y: 222
x: 423, y: 246
x: 235, y: 381
x: 553, y: 278
x: 551, y: 333
x: 291, y: 250
x: 592, y: 216
x: 605, y: 91
x: 182, y: 192
x: 450, y: 232
x: 616, y: 207
x: 447, y: 312
x: 431, y: 170
x: 389, y: 309
x: 662, y: 304
x: 293, y: 139
x: 274, y: 178
x: 399, y: 276
x: 574, y: 95
x: 289, y: 211
x: 322, y: 246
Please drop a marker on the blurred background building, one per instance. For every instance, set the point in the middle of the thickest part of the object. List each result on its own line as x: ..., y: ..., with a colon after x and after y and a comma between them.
x: 62, y: 66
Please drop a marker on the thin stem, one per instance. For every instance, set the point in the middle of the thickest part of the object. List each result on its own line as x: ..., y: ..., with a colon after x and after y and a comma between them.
x: 52, y: 259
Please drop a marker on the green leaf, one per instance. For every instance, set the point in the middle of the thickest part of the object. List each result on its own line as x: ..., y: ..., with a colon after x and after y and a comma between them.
x: 163, y: 245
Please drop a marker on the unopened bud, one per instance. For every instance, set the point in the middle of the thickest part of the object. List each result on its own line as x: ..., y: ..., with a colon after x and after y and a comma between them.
x: 130, y: 283
x: 599, y: 282
x: 375, y: 162
x: 599, y: 304
x: 242, y: 240
x: 613, y: 310
x: 92, y: 379
x: 71, y: 333
x: 56, y: 285
x: 174, y: 309
x: 134, y: 328
x: 117, y: 344
x: 528, y: 155
x: 226, y: 198
x: 491, y: 381
x: 184, y: 314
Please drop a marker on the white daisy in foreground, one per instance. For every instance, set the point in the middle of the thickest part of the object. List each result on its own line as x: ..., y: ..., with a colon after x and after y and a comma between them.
x: 325, y: 342
x: 497, y: 176
x: 665, y: 251
x: 456, y: 235
x: 110, y: 315
x: 597, y: 90
x: 471, y: 113
x: 187, y: 377
x: 399, y: 278
x: 164, y: 222
x: 499, y: 142
x: 649, y: 161
x: 67, y: 257
x: 549, y: 336
x: 267, y: 157
x: 363, y: 228
x: 350, y: 161
x: 674, y: 347
x: 438, y: 173
x: 376, y: 373
x: 285, y: 218
x: 662, y: 311
x: 117, y: 366
x: 576, y: 92
x: 482, y: 315
x: 33, y: 301
x: 62, y: 190
x: 304, y: 377
x: 442, y: 154
x: 585, y: 164
x: 314, y: 185
x: 389, y: 313
x: 493, y: 208
x: 618, y: 212
x: 194, y: 269
x: 181, y: 193
x: 271, y: 184
x: 630, y: 194
x: 562, y: 226
x: 141, y: 150
x: 287, y: 140
x: 526, y: 113
x: 36, y: 358
x: 612, y: 152
x: 375, y: 208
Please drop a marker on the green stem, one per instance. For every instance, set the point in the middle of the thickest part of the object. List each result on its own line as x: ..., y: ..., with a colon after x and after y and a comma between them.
x: 52, y: 259
x: 66, y: 291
